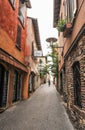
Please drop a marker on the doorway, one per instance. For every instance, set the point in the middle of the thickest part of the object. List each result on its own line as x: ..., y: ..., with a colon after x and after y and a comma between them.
x: 3, y: 85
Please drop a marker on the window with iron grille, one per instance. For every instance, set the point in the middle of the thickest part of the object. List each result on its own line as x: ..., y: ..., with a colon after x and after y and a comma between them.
x: 12, y: 2
x: 77, y: 84
x: 61, y: 83
x: 18, y: 39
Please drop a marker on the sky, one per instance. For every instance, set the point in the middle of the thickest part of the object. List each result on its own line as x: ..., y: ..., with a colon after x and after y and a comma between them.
x: 43, y: 11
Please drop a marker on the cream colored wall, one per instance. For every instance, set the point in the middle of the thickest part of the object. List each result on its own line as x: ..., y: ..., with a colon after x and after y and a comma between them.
x: 30, y: 40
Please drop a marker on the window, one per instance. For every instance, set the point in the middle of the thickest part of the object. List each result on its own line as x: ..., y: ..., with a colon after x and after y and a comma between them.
x: 22, y: 12
x: 4, y: 75
x: 61, y: 83
x: 18, y: 39
x: 21, y: 18
x: 12, y: 2
x: 65, y: 9
x: 17, y: 86
x: 32, y: 49
x: 72, y: 8
x: 77, y: 84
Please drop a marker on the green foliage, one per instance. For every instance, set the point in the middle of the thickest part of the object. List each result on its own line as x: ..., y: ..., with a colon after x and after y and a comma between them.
x: 54, y: 65
x: 44, y: 71
x: 61, y: 25
x: 40, y: 61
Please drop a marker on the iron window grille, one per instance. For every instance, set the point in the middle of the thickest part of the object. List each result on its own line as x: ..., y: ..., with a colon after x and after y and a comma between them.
x: 77, y: 84
x: 61, y: 83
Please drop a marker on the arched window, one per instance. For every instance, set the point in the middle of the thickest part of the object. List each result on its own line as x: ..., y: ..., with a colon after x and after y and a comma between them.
x: 77, y: 84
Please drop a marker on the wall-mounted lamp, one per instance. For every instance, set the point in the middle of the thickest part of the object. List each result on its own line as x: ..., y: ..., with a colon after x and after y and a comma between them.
x: 51, y: 40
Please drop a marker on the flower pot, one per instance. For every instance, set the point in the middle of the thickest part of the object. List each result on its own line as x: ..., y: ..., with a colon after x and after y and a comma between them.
x: 68, y: 25
x: 68, y: 30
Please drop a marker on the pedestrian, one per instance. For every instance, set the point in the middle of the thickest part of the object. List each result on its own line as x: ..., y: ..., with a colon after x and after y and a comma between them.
x: 49, y: 82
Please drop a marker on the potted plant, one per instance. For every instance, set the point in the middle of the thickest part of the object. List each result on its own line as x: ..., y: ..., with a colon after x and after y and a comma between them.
x: 64, y: 26
x: 61, y: 25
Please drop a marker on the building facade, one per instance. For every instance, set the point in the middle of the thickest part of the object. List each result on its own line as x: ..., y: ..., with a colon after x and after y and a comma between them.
x: 14, y: 73
x: 72, y: 56
x: 34, y: 43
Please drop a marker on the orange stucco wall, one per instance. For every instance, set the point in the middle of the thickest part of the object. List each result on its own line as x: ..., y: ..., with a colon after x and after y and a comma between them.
x: 8, y: 30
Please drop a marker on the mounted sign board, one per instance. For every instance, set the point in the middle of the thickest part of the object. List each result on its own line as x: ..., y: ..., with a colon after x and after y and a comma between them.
x: 38, y: 53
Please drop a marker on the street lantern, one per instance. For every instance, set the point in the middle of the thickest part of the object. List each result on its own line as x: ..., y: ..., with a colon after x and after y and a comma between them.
x: 51, y: 40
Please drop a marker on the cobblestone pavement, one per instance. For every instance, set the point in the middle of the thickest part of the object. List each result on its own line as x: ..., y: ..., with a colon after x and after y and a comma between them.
x: 42, y: 111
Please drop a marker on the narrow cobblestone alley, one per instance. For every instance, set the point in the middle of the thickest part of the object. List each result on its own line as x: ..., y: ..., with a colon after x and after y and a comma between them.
x: 42, y: 111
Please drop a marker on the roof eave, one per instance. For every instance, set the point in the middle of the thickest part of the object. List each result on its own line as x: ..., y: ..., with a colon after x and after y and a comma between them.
x: 37, y: 34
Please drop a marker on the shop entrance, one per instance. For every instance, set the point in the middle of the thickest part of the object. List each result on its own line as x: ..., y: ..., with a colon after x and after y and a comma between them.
x: 3, y: 86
